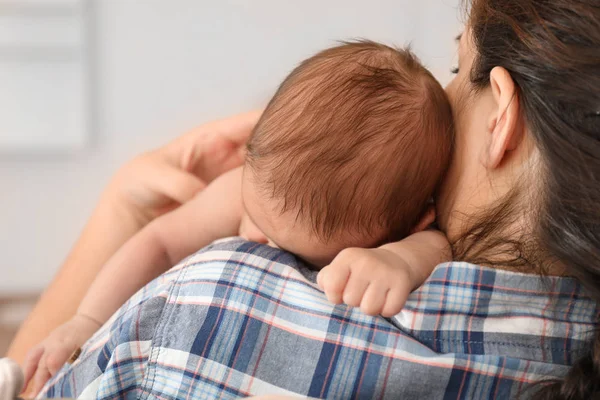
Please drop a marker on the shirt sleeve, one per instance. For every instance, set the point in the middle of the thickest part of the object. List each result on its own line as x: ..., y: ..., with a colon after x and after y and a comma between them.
x: 113, y: 361
x: 161, y: 324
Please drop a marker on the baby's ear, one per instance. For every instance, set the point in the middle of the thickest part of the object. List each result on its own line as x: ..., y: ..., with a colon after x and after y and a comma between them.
x: 427, y: 219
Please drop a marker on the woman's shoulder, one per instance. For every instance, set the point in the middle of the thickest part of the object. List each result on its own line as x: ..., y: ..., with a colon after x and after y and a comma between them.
x: 239, y: 318
x: 473, y: 309
x: 462, y: 308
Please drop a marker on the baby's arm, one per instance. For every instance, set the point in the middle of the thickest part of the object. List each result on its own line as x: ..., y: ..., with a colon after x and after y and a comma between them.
x: 214, y: 213
x: 379, y: 280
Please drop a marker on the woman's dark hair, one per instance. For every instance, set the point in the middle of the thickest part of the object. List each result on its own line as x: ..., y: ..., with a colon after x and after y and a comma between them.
x: 552, y: 50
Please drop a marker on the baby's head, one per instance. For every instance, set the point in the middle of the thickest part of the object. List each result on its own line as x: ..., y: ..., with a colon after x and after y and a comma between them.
x: 349, y: 151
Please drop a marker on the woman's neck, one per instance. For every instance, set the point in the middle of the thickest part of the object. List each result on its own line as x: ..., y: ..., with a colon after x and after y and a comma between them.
x: 504, y: 237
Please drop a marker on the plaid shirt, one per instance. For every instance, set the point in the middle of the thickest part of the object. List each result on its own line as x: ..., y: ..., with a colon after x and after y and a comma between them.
x: 239, y: 319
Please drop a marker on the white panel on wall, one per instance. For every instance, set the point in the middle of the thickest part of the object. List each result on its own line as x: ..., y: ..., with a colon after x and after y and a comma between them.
x: 43, y: 101
x: 160, y: 68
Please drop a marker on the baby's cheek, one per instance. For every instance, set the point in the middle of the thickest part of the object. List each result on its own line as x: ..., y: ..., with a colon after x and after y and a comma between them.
x: 250, y: 232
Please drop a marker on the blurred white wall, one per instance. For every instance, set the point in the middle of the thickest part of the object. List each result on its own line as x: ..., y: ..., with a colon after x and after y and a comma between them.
x: 161, y: 67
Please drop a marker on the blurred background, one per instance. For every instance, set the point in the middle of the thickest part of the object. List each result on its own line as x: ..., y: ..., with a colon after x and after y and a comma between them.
x: 87, y: 84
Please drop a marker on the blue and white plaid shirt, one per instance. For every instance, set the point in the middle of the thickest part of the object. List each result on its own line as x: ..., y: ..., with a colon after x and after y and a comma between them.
x: 239, y: 319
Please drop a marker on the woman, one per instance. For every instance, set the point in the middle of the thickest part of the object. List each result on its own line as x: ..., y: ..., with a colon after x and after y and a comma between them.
x: 520, y: 199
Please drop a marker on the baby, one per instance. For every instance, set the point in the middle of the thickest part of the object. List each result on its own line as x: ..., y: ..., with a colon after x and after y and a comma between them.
x: 345, y: 158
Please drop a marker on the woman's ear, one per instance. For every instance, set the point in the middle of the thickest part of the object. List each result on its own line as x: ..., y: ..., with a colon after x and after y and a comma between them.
x: 504, y: 129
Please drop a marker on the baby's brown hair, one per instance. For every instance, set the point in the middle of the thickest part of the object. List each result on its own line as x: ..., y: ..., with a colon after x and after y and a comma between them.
x: 355, y: 140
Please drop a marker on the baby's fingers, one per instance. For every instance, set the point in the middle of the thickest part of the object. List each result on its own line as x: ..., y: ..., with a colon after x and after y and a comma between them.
x: 58, y: 357
x: 332, y: 280
x: 355, y: 289
x: 394, y: 301
x: 373, y: 299
x: 31, y: 363
x: 42, y: 375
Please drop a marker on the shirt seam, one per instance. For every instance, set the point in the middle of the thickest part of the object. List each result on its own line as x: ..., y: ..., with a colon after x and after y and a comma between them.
x: 530, y: 346
x: 149, y: 380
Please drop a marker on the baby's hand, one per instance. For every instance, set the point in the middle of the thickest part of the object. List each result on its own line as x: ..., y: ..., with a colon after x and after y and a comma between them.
x: 377, y: 280
x: 45, y: 359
